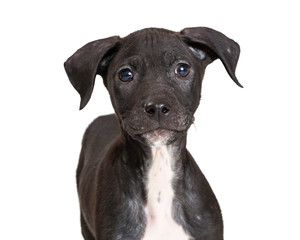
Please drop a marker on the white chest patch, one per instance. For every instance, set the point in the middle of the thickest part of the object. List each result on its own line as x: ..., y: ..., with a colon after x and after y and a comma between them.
x: 160, y: 224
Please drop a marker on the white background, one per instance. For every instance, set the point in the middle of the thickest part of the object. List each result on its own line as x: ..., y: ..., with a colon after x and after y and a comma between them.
x: 246, y: 141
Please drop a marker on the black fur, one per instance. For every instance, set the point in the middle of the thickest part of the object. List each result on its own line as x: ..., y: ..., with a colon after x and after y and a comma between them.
x: 116, y: 155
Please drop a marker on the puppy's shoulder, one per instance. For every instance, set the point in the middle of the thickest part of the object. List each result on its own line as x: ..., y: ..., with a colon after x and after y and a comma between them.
x: 104, y: 127
x: 106, y: 121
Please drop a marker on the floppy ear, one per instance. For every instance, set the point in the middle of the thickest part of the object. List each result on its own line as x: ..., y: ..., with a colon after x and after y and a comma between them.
x: 88, y: 61
x: 216, y: 45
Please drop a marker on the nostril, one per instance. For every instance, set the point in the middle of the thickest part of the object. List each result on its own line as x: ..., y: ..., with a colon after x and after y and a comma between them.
x: 165, y: 109
x: 154, y: 109
x: 151, y: 109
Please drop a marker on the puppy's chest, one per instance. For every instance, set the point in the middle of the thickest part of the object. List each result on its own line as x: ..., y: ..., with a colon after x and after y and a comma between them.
x: 160, y: 194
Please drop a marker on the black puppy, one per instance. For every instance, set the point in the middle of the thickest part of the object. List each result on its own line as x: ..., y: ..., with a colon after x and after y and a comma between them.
x: 136, y: 179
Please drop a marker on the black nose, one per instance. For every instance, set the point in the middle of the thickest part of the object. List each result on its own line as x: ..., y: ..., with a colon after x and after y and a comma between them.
x: 157, y: 110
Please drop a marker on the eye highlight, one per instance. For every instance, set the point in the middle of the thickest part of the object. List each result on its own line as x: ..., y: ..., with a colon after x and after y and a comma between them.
x: 182, y: 70
x: 125, y: 75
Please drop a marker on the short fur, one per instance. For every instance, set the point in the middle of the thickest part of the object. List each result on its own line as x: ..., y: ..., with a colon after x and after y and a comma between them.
x: 152, y: 109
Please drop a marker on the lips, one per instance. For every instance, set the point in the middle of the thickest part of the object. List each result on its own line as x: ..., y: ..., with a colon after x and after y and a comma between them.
x: 156, y: 133
x: 162, y: 132
x: 138, y: 126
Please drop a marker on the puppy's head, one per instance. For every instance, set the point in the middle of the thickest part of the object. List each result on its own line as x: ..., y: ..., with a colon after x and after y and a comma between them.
x: 153, y: 76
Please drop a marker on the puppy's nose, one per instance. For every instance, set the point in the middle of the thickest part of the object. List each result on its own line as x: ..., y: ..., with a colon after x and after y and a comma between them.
x: 153, y: 110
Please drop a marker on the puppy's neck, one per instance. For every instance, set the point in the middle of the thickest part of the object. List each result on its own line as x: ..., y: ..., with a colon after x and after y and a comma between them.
x: 163, y: 174
x: 159, y: 169
x: 141, y: 152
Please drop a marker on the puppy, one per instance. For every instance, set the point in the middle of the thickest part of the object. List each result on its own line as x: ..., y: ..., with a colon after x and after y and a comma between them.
x: 135, y: 178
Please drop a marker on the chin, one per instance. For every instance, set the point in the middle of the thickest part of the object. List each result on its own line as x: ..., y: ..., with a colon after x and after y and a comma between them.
x: 159, y: 137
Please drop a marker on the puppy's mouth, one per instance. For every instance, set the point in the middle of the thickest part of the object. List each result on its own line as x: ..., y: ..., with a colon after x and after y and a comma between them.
x: 155, y: 132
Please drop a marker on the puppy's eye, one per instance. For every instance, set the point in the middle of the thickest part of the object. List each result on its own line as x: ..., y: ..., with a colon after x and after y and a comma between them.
x: 126, y: 75
x: 182, y: 69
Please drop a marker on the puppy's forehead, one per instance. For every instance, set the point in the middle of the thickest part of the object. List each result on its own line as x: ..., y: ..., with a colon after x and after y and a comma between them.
x: 152, y: 41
